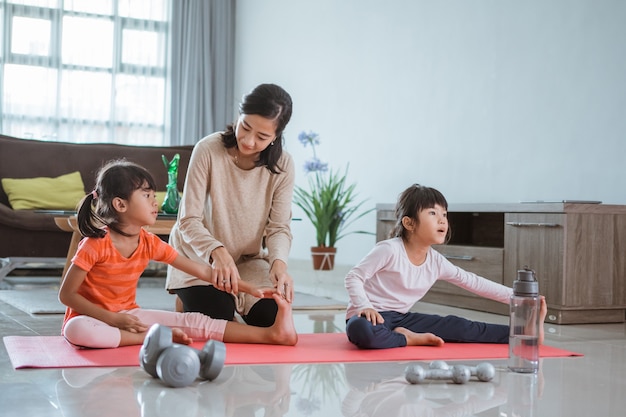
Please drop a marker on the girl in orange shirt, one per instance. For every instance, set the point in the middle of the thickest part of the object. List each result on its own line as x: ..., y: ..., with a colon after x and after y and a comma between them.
x: 99, y: 287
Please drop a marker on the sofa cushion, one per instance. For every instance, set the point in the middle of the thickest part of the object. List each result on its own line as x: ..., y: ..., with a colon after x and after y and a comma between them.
x: 60, y: 193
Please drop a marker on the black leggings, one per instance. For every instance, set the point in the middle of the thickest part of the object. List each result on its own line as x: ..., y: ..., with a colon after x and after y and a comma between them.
x: 217, y: 304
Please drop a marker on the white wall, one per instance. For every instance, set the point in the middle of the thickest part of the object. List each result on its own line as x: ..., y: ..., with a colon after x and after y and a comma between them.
x: 486, y: 100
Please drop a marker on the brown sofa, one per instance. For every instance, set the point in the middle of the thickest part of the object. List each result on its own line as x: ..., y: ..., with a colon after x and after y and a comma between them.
x: 32, y: 234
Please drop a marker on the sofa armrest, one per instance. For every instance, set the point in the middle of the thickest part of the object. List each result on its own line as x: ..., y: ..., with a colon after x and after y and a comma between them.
x: 27, y: 219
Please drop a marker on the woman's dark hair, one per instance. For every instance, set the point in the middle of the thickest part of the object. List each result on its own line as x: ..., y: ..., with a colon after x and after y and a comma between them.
x: 271, y: 102
x: 117, y: 178
x: 413, y: 200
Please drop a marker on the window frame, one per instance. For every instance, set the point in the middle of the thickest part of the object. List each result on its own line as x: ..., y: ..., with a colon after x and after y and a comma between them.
x: 54, y: 61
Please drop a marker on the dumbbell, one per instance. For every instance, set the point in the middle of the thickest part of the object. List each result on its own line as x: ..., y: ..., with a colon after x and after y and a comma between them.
x: 483, y: 371
x: 179, y: 365
x: 415, y: 374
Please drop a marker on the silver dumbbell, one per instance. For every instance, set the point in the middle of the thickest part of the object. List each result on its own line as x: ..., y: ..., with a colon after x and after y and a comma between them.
x: 415, y: 374
x: 441, y: 370
x: 483, y: 371
x: 179, y: 365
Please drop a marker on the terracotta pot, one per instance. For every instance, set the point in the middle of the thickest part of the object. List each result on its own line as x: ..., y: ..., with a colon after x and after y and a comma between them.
x: 323, y: 258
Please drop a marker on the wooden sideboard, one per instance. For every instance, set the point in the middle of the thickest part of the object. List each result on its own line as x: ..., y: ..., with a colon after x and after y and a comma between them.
x: 578, y: 252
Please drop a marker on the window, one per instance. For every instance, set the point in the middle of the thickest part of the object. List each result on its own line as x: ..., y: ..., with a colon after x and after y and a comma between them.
x: 83, y: 70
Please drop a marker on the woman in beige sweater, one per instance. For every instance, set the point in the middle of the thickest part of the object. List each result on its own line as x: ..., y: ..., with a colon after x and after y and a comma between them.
x: 235, y: 212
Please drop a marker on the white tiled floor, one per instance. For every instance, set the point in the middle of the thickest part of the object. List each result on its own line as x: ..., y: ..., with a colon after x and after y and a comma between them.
x: 593, y: 385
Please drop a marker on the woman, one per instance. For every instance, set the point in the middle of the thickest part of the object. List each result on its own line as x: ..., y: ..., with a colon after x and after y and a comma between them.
x: 235, y: 212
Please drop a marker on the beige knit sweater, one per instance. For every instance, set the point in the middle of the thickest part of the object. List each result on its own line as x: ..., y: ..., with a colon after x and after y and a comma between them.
x: 224, y: 205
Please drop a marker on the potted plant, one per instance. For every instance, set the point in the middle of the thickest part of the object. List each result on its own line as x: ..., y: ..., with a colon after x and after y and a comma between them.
x: 329, y: 203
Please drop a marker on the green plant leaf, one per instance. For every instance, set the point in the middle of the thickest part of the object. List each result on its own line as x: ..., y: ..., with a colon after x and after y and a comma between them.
x: 330, y: 203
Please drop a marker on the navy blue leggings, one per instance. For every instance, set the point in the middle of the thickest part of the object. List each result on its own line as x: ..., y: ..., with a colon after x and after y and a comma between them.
x: 450, y: 328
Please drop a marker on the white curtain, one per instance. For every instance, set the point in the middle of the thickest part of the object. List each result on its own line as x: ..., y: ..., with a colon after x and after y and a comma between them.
x: 202, y: 71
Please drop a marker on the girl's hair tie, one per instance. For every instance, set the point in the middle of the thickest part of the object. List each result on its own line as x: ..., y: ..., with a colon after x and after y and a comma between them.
x: 94, y: 194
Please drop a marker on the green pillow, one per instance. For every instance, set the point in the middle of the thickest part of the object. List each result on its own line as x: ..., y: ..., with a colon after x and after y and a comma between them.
x: 60, y: 193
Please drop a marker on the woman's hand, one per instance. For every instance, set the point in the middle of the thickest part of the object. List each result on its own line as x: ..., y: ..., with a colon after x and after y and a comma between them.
x: 372, y: 316
x: 225, y: 275
x: 282, y: 280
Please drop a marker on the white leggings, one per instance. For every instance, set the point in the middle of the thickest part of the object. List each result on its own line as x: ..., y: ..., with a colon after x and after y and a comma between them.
x: 85, y: 331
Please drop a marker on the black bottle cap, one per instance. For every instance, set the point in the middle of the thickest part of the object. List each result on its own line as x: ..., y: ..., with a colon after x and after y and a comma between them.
x: 526, y: 283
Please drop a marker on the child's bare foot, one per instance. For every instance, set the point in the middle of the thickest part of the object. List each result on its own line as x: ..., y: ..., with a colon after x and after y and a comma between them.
x: 419, y: 339
x: 283, y: 331
x: 178, y: 336
x: 543, y: 312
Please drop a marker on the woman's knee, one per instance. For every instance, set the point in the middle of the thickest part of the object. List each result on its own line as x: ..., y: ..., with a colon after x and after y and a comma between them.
x: 262, y: 313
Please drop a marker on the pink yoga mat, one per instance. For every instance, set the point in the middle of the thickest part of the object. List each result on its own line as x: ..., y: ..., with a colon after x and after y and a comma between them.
x: 55, y: 352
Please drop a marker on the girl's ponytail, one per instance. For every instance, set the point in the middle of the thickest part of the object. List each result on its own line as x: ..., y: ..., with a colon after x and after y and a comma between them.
x: 89, y: 223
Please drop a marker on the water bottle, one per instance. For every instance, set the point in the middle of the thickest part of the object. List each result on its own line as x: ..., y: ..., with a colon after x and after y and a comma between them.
x: 524, y: 323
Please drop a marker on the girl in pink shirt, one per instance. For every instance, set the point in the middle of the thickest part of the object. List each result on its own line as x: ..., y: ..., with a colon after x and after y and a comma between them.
x: 99, y: 287
x: 399, y: 271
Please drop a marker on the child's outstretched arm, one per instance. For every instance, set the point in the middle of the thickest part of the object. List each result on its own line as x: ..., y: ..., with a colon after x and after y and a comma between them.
x: 204, y: 272
x: 69, y: 296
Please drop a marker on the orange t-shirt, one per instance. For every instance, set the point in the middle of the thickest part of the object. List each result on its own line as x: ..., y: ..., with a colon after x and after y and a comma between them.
x: 111, y: 280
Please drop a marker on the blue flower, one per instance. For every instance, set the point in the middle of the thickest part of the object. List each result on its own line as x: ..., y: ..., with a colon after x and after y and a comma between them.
x: 309, y: 138
x: 315, y: 165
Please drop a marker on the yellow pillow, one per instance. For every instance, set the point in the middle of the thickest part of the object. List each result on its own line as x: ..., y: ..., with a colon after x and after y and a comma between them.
x: 60, y: 193
x: 160, y: 196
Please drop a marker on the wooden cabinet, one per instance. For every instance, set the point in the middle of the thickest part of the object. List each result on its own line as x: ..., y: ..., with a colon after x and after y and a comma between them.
x: 578, y: 252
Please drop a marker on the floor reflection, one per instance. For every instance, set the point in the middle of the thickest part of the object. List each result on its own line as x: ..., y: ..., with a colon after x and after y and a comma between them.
x: 238, y: 391
x: 388, y: 394
x: 358, y: 389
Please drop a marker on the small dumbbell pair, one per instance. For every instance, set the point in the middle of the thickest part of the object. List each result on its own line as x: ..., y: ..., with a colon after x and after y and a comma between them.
x: 483, y: 371
x: 459, y: 374
x: 179, y: 365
